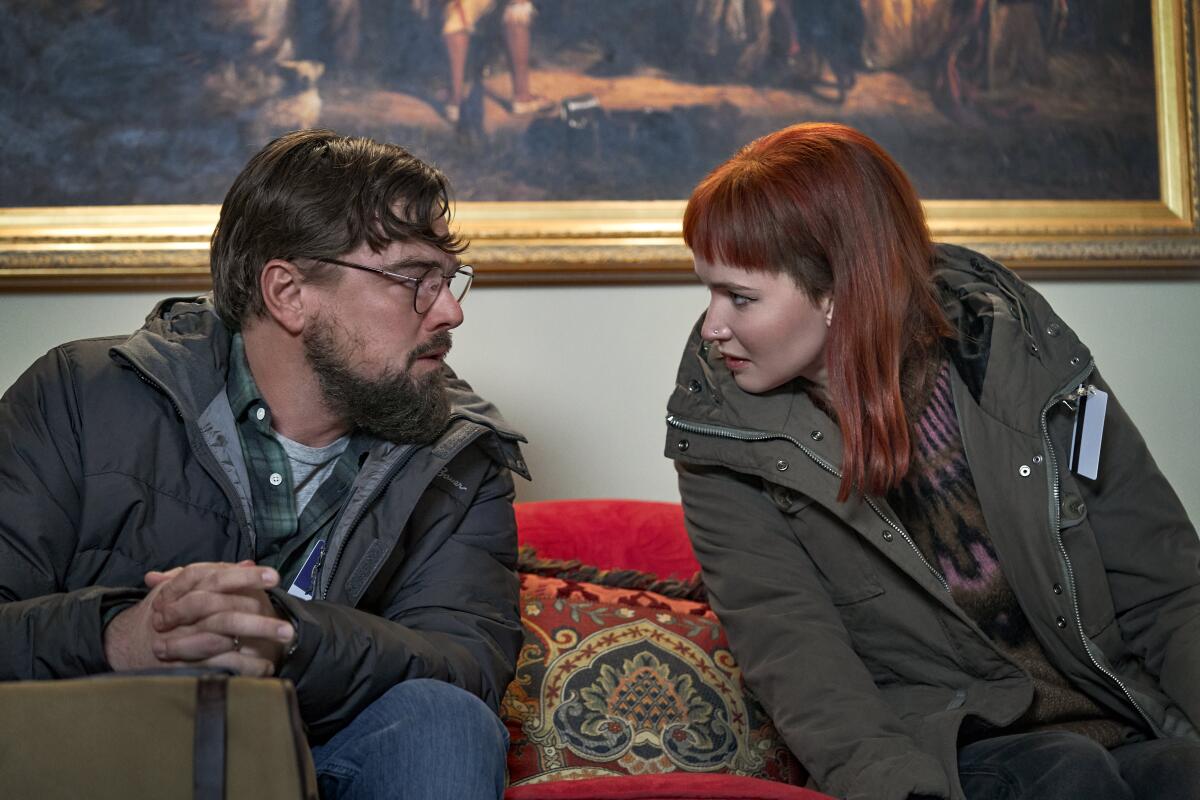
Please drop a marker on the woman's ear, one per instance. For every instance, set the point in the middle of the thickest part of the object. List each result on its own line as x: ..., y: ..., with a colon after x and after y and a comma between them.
x: 826, y: 306
x: 281, y: 290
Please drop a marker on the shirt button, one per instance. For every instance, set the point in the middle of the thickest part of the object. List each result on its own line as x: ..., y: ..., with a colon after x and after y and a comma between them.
x: 693, y: 386
x: 682, y: 445
x: 275, y: 479
x: 782, y: 465
x: 1056, y: 589
x: 817, y: 436
x: 887, y: 536
x: 1061, y: 622
x: 261, y: 414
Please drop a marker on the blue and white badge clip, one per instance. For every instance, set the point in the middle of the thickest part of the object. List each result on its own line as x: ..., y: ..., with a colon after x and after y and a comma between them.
x: 302, y: 587
x: 1089, y: 430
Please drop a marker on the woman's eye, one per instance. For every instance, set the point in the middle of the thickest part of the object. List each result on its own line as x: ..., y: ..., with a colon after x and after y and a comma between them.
x: 738, y: 299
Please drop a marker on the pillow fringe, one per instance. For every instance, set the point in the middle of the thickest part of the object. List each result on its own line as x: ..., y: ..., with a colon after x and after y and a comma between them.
x: 575, y: 570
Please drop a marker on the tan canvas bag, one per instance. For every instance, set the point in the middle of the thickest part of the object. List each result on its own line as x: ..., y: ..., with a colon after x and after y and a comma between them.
x: 125, y: 737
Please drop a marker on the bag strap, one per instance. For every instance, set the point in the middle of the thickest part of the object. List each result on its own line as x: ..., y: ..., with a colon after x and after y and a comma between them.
x: 208, y: 752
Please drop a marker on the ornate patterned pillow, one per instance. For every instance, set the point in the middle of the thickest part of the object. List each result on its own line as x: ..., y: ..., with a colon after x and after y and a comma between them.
x: 614, y: 681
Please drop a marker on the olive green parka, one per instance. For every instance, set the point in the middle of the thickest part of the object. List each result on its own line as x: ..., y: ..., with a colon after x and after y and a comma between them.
x: 847, y: 632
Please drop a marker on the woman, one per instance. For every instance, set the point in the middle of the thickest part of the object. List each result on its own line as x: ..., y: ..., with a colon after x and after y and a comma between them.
x: 875, y: 438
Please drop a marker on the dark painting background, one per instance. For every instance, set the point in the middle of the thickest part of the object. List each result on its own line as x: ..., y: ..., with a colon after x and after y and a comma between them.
x: 163, y: 101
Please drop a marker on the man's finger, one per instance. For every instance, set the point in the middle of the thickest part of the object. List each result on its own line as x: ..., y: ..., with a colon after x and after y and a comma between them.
x: 195, y: 606
x: 191, y: 646
x: 157, y: 578
x: 196, y: 645
x: 228, y: 628
x: 216, y: 578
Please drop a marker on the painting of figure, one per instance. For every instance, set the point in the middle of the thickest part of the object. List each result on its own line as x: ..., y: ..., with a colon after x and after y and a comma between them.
x: 118, y: 102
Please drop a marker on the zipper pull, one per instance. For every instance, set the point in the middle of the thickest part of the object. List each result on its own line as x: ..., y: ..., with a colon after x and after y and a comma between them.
x: 1071, y: 401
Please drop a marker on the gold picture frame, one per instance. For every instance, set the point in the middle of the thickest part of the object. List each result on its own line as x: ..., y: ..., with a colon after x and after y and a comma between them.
x: 106, y: 248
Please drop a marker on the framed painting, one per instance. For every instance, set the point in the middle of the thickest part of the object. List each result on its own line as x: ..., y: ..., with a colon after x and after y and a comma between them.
x: 1059, y: 137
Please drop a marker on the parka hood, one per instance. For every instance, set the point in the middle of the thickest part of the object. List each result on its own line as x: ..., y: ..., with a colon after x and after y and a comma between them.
x: 984, y: 302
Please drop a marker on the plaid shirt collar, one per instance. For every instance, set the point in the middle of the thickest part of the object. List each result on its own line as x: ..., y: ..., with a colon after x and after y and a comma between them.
x: 239, y: 383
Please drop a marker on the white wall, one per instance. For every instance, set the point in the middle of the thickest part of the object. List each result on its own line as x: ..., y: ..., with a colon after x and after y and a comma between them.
x: 585, y: 372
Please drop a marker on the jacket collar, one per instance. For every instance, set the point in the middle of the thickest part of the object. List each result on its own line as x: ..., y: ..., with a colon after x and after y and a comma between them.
x: 183, y: 349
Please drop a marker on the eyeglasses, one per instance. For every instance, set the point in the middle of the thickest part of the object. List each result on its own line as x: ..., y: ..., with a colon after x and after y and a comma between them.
x: 426, y: 288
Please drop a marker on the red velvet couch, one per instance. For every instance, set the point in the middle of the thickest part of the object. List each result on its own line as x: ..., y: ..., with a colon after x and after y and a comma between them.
x: 625, y: 687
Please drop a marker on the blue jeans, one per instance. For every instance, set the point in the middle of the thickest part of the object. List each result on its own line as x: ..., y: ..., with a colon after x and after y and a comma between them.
x: 421, y: 739
x: 1057, y: 764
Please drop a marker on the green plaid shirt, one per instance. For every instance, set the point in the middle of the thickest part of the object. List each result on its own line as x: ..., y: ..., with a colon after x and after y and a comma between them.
x: 283, y: 540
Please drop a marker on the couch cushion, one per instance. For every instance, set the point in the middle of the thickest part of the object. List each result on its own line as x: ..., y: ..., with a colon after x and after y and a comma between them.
x: 672, y: 786
x: 610, y: 534
x: 617, y: 681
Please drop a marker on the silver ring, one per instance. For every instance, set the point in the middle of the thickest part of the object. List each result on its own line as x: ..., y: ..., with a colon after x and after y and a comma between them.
x: 237, y: 644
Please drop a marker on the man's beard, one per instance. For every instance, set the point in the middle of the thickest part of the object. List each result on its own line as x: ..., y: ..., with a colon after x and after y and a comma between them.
x: 397, y: 406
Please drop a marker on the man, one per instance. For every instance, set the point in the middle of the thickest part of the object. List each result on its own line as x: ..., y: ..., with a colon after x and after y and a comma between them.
x: 285, y: 480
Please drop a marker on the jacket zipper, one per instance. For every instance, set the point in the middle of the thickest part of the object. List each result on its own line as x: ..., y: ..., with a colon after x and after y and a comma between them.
x: 324, y: 582
x: 758, y: 436
x: 1056, y: 521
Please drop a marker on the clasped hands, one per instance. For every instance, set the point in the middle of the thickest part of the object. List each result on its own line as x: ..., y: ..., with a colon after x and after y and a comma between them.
x: 214, y: 615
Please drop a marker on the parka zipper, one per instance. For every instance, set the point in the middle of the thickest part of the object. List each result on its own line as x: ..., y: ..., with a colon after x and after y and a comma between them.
x: 1073, y: 389
x: 758, y: 436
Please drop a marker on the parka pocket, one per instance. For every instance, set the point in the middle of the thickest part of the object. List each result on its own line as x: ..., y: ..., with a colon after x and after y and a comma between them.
x: 1091, y: 579
x: 842, y: 562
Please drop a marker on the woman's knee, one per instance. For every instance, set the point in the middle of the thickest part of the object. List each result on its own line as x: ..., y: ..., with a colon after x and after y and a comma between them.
x: 1049, y: 764
x: 1165, y: 769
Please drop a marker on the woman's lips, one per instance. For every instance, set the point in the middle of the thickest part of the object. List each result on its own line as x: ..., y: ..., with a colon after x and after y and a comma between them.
x: 734, y: 363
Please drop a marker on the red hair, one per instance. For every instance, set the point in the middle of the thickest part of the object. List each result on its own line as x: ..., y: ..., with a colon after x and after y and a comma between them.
x: 825, y: 204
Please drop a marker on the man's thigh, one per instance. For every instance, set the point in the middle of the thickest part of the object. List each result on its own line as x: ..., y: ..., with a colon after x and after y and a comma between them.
x: 400, y: 746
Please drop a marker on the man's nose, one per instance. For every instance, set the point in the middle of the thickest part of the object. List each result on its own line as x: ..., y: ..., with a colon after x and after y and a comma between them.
x: 445, y: 313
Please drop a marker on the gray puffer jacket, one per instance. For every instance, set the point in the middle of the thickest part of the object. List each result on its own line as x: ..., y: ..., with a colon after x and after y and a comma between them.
x: 850, y: 636
x: 121, y: 455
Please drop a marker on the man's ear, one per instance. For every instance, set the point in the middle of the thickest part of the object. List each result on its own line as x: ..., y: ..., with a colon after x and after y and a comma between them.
x: 282, y: 294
